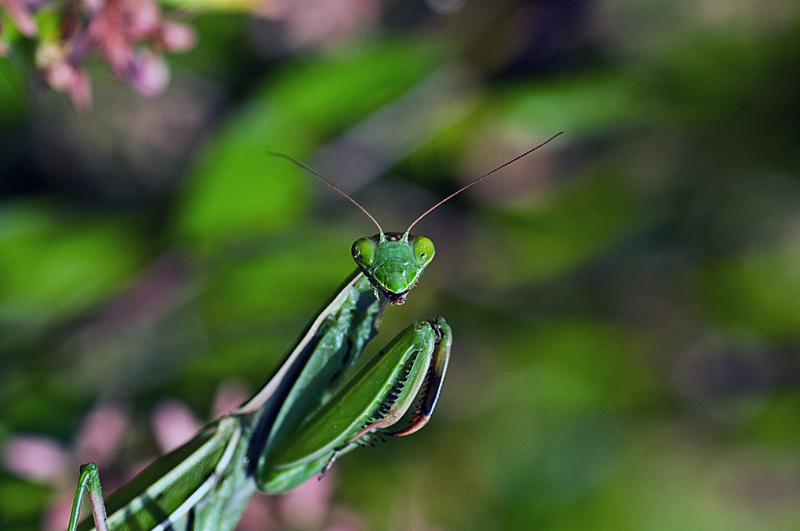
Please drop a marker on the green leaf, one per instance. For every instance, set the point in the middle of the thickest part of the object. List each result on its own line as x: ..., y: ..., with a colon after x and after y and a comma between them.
x: 53, y: 268
x: 237, y: 190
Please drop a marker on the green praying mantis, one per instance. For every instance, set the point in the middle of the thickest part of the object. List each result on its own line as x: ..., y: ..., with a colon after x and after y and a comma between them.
x: 310, y: 412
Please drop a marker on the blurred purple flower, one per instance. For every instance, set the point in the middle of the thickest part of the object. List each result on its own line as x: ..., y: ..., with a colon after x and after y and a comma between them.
x: 129, y: 35
x: 20, y: 12
x: 176, y: 37
x: 61, y: 74
x: 36, y: 458
x: 149, y: 74
x: 174, y: 423
x: 119, y: 25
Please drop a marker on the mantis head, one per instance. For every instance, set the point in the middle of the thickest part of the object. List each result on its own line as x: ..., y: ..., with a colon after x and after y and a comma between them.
x: 393, y: 261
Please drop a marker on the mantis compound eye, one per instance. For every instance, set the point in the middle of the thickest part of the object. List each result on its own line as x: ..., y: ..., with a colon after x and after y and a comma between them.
x: 423, y: 250
x: 364, y: 251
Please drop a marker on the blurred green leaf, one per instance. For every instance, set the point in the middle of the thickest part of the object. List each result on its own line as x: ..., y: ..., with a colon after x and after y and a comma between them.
x: 581, y: 105
x: 237, y: 189
x: 758, y: 290
x: 563, y: 229
x: 53, y: 268
x: 20, y: 502
x: 13, y: 102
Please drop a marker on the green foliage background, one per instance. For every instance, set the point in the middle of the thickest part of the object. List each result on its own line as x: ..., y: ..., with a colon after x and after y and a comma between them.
x: 625, y: 302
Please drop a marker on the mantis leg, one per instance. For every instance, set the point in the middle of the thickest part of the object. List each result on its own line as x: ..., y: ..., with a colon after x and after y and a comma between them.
x: 434, y: 379
x: 373, y: 400
x: 89, y: 482
x: 432, y: 388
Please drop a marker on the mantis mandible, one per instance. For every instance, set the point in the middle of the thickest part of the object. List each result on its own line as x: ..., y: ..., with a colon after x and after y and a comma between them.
x: 310, y: 412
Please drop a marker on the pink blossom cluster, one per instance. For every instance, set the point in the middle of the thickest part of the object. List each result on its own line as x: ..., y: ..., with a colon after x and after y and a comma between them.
x: 130, y: 36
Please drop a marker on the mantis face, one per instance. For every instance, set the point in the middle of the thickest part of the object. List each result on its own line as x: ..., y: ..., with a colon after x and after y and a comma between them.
x: 393, y: 262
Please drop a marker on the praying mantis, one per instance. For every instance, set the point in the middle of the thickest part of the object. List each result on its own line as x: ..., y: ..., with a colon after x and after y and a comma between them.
x: 312, y: 410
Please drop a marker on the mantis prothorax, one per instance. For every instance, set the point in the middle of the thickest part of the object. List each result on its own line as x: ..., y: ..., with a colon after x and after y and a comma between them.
x: 310, y: 412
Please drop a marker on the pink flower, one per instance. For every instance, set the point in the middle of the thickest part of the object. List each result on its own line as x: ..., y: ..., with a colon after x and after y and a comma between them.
x: 140, y: 18
x: 130, y: 35
x: 149, y: 74
x: 118, y: 27
x: 176, y: 37
x: 62, y: 75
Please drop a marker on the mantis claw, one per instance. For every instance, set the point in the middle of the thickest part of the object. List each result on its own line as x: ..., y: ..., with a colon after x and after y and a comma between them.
x: 328, y: 465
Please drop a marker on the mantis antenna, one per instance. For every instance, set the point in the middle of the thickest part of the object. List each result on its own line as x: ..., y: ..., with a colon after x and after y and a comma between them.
x: 326, y: 181
x: 476, y: 181
x: 431, y: 209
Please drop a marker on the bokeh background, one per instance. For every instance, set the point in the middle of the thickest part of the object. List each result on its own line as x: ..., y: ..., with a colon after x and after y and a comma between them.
x: 625, y: 301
